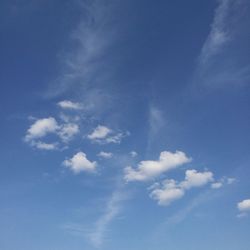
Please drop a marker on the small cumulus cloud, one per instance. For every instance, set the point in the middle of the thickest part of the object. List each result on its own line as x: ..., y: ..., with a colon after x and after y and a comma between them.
x: 106, y: 155
x: 49, y: 126
x: 133, y: 153
x: 66, y: 104
x: 80, y: 163
x: 244, y: 208
x: 147, y: 170
x: 171, y: 190
x: 104, y: 135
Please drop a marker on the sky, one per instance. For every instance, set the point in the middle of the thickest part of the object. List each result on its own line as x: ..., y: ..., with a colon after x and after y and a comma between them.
x: 125, y: 125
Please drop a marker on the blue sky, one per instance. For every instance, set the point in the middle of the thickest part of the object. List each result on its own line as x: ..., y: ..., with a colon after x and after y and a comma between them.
x: 125, y: 125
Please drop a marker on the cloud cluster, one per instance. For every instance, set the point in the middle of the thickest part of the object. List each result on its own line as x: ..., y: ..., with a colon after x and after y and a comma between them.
x: 49, y: 126
x: 170, y: 190
x: 80, y: 163
x: 104, y: 135
x: 147, y: 170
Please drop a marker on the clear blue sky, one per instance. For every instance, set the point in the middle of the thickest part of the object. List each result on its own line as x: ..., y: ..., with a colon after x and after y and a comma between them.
x: 125, y: 125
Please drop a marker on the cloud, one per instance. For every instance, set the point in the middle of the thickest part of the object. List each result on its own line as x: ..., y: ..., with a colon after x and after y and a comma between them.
x: 147, y: 170
x: 218, y: 35
x: 244, y: 208
x: 170, y: 190
x: 216, y: 185
x: 66, y: 104
x: 106, y: 155
x: 105, y: 135
x: 46, y: 126
x: 168, y: 193
x: 223, y: 181
x: 133, y: 153
x: 68, y: 131
x: 41, y: 128
x: 112, y: 209
x: 79, y: 163
x: 100, y: 132
x: 196, y: 179
x: 221, y: 62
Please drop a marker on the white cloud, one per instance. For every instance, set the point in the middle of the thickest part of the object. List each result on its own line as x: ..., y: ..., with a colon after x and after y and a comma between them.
x: 68, y: 131
x: 149, y: 169
x: 79, y: 163
x: 170, y: 190
x: 106, y: 155
x: 105, y: 135
x: 112, y: 209
x: 196, y: 179
x: 223, y: 181
x: 218, y: 35
x: 244, y: 208
x: 100, y: 132
x: 41, y: 128
x: 70, y: 105
x: 45, y: 146
x: 168, y: 193
x: 133, y: 153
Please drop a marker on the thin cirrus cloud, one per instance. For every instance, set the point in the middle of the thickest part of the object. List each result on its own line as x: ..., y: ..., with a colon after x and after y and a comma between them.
x: 147, y: 170
x: 220, y: 62
x: 170, y: 190
x: 66, y: 104
x: 104, y: 135
x: 80, y: 163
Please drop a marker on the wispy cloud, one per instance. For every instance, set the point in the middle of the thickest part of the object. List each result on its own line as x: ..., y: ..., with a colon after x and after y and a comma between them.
x: 221, y: 62
x: 112, y: 210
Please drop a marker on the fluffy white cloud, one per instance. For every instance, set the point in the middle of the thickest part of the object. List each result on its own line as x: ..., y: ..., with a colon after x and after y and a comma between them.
x: 168, y: 193
x: 223, y: 181
x: 79, y: 163
x: 106, y: 155
x: 103, y: 135
x: 41, y: 128
x: 67, y: 131
x: 99, y: 132
x: 170, y: 190
x: 196, y: 179
x: 69, y: 105
x: 149, y: 169
x: 244, y: 206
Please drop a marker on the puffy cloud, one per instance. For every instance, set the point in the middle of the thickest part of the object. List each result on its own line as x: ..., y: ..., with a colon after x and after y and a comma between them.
x: 105, y: 155
x: 149, y: 169
x: 45, y: 126
x: 216, y: 185
x: 69, y: 105
x: 67, y: 131
x: 79, y: 163
x: 196, y: 179
x: 170, y: 190
x: 100, y: 132
x: 244, y: 206
x: 41, y: 128
x: 104, y: 135
x: 168, y: 193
